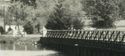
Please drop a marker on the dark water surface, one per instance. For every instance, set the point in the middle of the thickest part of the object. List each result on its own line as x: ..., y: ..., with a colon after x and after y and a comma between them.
x: 61, y: 50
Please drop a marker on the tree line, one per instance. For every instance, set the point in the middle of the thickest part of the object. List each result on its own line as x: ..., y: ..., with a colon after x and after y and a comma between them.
x: 64, y: 14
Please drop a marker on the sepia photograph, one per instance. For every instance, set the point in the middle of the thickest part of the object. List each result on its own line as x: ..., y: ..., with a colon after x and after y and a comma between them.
x: 62, y: 27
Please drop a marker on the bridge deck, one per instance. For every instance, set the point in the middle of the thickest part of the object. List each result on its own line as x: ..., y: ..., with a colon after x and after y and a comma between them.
x: 86, y: 42
x: 101, y: 35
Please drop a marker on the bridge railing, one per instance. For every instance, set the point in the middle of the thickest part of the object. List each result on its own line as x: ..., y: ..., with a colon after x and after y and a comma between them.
x: 102, y: 35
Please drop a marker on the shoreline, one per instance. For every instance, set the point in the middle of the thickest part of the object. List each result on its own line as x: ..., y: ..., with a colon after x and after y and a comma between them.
x: 26, y: 53
x: 12, y: 39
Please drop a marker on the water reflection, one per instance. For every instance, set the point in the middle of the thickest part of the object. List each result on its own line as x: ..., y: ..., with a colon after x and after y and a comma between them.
x: 18, y: 47
x: 15, y: 49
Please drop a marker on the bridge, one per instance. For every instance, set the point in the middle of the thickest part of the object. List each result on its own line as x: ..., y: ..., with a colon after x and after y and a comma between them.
x: 101, y: 35
x: 92, y: 42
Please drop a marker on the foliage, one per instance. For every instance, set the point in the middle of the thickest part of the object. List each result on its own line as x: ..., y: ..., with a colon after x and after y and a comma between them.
x: 2, y: 14
x: 102, y: 12
x: 1, y: 30
x: 59, y: 20
x: 28, y: 28
x: 26, y: 2
x: 9, y: 29
x: 122, y: 9
x: 16, y: 14
x: 37, y: 12
x: 21, y: 13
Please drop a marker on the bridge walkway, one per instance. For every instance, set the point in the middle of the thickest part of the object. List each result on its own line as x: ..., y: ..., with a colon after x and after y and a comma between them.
x: 100, y: 35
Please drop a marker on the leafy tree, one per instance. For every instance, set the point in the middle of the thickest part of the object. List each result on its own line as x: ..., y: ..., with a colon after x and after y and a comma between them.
x: 28, y: 28
x: 122, y: 9
x: 1, y: 30
x: 26, y: 2
x: 21, y: 13
x: 16, y: 14
x: 59, y: 20
x: 102, y: 12
x: 2, y: 13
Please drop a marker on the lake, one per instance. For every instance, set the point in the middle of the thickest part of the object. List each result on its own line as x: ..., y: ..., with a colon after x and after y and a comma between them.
x: 25, y: 49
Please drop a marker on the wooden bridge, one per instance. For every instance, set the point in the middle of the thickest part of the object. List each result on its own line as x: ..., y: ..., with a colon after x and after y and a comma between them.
x: 100, y: 35
x: 109, y: 40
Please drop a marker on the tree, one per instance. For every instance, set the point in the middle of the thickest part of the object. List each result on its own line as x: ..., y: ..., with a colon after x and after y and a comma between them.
x: 2, y: 30
x: 122, y: 9
x: 103, y: 13
x: 33, y: 11
x: 28, y: 28
x: 26, y: 2
x: 16, y: 14
x: 59, y: 20
x: 22, y: 12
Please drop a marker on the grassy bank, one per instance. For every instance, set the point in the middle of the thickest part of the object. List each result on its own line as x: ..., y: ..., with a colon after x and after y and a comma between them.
x: 8, y: 39
x: 21, y: 39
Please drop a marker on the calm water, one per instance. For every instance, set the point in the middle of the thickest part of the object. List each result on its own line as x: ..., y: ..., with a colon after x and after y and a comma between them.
x: 33, y: 49
x: 26, y: 48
